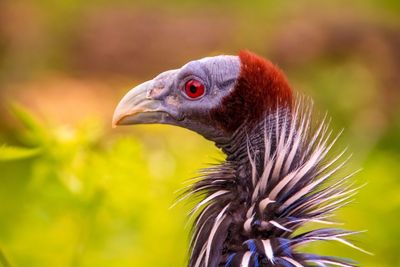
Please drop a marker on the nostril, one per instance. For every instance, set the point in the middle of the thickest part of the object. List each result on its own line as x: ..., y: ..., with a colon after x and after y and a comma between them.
x: 154, y: 92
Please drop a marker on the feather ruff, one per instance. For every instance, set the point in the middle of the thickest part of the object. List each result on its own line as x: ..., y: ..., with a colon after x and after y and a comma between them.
x: 278, y: 176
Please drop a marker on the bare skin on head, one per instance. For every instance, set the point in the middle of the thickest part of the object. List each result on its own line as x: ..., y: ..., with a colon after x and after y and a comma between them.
x: 232, y: 95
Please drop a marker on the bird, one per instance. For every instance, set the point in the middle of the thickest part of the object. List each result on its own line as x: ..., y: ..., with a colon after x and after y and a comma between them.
x: 280, y: 171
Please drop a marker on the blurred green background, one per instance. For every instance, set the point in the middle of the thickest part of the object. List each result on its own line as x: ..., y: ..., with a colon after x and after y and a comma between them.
x: 74, y: 192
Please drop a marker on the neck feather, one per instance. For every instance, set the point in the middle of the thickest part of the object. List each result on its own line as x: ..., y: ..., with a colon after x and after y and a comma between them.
x: 268, y: 187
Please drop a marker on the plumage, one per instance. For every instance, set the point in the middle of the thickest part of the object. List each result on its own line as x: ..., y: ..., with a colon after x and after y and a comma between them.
x: 286, y: 171
x: 261, y: 87
x: 279, y: 173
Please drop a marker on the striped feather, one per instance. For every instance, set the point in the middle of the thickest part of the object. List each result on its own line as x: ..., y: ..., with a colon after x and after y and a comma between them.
x: 278, y: 176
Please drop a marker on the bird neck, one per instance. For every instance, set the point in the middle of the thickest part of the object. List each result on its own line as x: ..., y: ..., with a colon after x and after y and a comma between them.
x: 251, y: 136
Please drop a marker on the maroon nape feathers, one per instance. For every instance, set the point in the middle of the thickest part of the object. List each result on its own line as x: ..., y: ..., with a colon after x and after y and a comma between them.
x: 260, y: 89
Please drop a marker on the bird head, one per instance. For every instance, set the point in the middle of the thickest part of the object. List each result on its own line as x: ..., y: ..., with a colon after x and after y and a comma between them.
x: 213, y: 96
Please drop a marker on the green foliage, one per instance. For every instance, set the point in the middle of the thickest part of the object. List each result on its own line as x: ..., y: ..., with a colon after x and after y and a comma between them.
x: 15, y: 153
x: 84, y: 198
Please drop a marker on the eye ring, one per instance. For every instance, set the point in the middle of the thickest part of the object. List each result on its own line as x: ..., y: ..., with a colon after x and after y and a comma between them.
x: 194, y: 89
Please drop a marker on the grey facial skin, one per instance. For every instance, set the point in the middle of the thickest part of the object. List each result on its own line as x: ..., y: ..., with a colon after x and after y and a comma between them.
x: 163, y: 99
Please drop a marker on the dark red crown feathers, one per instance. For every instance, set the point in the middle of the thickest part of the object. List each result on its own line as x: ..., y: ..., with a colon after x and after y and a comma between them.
x: 260, y: 89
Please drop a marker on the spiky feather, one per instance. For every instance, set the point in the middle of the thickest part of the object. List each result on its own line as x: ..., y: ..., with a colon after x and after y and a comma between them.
x: 277, y: 177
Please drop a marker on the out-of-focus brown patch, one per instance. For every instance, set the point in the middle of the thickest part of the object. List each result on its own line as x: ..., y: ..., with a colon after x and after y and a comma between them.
x: 65, y: 100
x: 141, y: 42
x: 343, y: 36
x: 23, y: 37
x: 304, y: 39
x: 20, y: 23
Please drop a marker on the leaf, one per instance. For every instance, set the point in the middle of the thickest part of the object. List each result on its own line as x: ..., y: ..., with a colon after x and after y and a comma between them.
x: 23, y: 115
x: 16, y: 153
x: 35, y: 132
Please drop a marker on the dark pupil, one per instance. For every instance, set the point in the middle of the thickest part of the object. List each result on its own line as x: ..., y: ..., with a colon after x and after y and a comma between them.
x: 193, y: 89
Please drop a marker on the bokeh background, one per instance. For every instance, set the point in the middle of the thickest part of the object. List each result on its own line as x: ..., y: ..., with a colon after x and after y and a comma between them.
x: 74, y: 192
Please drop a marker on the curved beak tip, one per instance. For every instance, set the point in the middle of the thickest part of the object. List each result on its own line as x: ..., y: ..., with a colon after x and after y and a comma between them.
x: 114, y: 123
x: 127, y: 117
x: 117, y: 118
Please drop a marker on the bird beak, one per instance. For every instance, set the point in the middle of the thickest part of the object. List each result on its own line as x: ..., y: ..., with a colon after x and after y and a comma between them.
x: 138, y: 107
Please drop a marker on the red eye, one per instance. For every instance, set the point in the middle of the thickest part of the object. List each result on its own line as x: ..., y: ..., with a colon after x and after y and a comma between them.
x: 194, y: 89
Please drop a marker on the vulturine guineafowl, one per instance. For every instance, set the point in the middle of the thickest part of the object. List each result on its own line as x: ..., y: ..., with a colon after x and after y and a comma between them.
x: 277, y: 175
